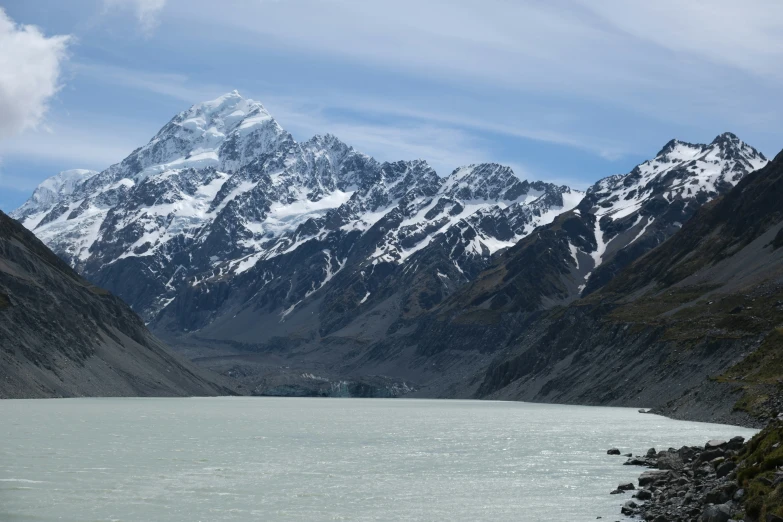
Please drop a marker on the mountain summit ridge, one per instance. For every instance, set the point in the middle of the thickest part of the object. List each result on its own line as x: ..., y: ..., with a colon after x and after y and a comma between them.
x: 223, y: 187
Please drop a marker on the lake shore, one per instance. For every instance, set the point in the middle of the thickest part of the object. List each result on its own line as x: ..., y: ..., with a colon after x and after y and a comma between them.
x: 721, y: 481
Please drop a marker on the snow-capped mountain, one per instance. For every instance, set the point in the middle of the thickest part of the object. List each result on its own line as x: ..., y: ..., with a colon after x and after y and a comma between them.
x: 650, y: 203
x: 621, y: 218
x: 223, y: 199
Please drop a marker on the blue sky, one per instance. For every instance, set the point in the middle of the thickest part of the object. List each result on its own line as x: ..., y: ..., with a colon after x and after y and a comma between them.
x: 561, y: 90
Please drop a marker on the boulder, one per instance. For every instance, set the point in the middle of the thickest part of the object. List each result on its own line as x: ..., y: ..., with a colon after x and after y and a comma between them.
x: 725, y: 468
x: 651, y: 452
x: 735, y: 443
x: 708, y: 455
x: 644, y: 494
x: 721, y: 494
x: 613, y: 451
x: 715, y: 443
x: 670, y: 460
x: 652, y: 476
x: 719, y: 513
x: 716, y: 496
x: 629, y: 508
x: 628, y: 486
x: 687, y: 453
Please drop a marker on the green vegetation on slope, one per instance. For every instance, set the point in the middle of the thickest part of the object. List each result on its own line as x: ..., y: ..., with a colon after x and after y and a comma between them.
x: 758, y: 473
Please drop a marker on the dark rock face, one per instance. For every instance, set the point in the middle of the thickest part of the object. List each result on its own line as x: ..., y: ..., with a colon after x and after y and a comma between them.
x: 63, y: 337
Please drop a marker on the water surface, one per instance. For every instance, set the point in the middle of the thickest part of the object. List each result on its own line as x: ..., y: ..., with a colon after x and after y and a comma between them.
x: 245, y: 459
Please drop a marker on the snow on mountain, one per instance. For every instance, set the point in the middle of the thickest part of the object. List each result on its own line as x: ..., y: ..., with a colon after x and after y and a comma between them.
x: 620, y: 219
x: 651, y: 202
x: 49, y: 192
x: 222, y: 191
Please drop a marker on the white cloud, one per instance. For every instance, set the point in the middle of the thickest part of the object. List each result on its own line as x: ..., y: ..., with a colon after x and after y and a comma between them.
x: 30, y: 64
x: 147, y: 11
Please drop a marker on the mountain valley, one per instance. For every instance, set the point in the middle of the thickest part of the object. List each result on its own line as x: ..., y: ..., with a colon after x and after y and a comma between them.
x: 310, y: 269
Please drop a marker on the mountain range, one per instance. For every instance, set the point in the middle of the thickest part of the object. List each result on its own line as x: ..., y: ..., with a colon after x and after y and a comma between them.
x: 312, y: 269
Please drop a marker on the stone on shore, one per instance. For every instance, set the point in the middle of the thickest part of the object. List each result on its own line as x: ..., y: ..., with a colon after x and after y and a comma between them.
x: 735, y: 443
x: 670, y: 460
x: 725, y: 468
x: 613, y: 451
x: 629, y: 508
x: 651, y: 477
x: 693, y: 483
x: 719, y: 513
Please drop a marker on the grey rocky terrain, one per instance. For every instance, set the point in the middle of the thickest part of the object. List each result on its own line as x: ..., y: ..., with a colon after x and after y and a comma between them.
x: 693, y: 483
x: 61, y: 336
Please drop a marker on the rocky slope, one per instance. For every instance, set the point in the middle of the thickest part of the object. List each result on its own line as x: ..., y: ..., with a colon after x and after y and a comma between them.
x: 61, y: 336
x: 692, y: 327
x: 516, y: 300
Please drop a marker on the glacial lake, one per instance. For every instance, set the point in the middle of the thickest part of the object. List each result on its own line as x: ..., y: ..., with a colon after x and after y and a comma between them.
x: 247, y: 459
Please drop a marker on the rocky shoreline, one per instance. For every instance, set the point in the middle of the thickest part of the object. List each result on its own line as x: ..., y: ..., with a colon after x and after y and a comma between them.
x: 722, y: 481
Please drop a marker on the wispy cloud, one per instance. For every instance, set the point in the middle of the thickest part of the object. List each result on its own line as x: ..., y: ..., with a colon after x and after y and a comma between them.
x: 667, y: 60
x: 76, y: 144
x: 464, y: 120
x: 174, y: 85
x: 147, y: 12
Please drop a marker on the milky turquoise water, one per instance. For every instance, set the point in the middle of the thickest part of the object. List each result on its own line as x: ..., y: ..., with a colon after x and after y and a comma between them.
x: 247, y: 459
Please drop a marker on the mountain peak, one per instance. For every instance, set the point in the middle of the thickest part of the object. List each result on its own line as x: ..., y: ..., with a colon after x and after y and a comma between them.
x: 229, y: 110
x: 726, y: 136
x: 730, y: 143
x: 674, y: 145
x: 53, y: 189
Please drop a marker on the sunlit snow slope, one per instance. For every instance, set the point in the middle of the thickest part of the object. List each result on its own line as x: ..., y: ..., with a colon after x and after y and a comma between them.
x: 222, y: 191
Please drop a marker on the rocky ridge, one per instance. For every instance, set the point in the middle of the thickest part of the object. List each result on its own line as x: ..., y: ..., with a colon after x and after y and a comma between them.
x: 222, y: 191
x: 61, y: 336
